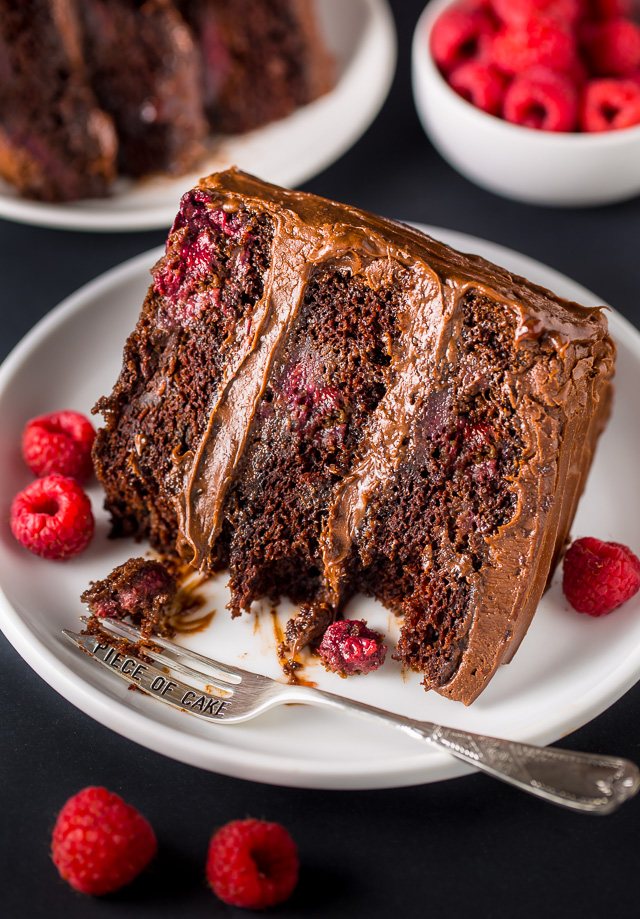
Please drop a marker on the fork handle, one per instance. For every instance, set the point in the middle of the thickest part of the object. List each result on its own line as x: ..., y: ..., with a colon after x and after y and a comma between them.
x: 585, y: 782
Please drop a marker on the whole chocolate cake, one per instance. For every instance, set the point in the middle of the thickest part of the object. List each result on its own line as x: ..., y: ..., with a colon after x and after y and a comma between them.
x: 134, y: 87
x: 326, y: 402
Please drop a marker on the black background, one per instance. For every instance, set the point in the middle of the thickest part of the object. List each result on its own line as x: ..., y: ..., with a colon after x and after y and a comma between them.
x: 470, y: 846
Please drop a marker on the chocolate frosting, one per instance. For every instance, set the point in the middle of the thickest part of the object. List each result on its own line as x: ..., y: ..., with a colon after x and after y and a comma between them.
x: 563, y: 413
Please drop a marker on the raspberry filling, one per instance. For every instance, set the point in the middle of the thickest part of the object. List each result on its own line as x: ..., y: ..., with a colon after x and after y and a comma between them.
x: 191, y: 275
x: 315, y: 408
x: 140, y: 588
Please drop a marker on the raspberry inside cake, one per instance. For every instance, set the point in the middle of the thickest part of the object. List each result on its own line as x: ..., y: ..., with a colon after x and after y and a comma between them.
x: 326, y: 402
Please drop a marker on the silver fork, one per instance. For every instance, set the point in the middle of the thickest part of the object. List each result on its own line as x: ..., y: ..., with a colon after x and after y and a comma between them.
x: 585, y: 782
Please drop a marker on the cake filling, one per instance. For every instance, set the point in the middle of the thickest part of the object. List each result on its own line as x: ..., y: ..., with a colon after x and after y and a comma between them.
x: 328, y: 379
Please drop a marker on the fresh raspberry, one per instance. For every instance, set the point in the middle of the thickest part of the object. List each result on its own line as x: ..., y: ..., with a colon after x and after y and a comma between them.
x: 348, y: 646
x: 578, y: 73
x: 564, y: 11
x: 608, y: 9
x: 100, y: 843
x: 598, y: 577
x: 479, y: 83
x: 252, y: 863
x: 460, y: 35
x: 476, y: 4
x: 60, y: 442
x: 52, y: 517
x: 609, y: 105
x: 612, y: 48
x: 542, y: 99
x: 534, y: 43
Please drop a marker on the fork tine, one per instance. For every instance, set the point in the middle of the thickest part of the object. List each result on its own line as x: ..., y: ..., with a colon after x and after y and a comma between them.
x: 218, y: 670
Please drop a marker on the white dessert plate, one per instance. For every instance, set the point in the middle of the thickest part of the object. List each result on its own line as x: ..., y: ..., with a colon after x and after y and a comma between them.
x: 361, y: 36
x: 569, y: 668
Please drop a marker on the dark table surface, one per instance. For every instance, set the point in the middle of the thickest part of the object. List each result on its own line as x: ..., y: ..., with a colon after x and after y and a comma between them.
x: 469, y: 845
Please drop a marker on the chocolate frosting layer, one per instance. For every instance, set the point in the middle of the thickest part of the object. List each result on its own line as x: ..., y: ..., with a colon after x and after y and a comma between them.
x: 563, y: 402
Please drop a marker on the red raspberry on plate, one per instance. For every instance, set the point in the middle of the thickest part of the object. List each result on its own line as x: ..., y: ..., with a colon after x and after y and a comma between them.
x: 566, y: 11
x: 609, y: 105
x: 52, y: 517
x: 460, y: 35
x: 60, y: 442
x: 598, y: 577
x: 479, y: 83
x: 534, y: 43
x: 348, y: 646
x: 253, y: 864
x: 612, y: 48
x: 542, y: 99
x: 100, y: 843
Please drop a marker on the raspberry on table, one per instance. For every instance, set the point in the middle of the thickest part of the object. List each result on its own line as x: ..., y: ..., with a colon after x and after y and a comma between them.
x: 612, y: 48
x: 253, y: 864
x: 460, y: 35
x: 348, y: 647
x: 100, y: 843
x: 541, y: 42
x: 542, y: 99
x: 609, y: 105
x: 52, y: 518
x: 598, y: 576
x: 479, y: 83
x: 59, y: 443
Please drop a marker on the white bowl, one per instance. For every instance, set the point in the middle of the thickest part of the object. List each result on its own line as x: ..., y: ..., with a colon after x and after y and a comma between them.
x: 539, y: 167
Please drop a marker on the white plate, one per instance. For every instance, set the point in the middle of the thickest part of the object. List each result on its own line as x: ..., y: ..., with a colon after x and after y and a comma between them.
x: 361, y: 36
x: 569, y: 668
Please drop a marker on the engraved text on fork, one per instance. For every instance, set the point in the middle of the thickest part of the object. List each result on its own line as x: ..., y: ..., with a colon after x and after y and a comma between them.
x: 158, y: 685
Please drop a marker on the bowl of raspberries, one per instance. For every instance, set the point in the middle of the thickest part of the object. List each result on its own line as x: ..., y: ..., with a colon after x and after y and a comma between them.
x: 537, y: 100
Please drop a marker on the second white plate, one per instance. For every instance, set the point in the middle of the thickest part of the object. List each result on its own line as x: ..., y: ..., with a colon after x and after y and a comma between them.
x: 569, y: 668
x: 360, y: 35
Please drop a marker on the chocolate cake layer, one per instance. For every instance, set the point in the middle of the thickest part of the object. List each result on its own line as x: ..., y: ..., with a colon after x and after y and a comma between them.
x: 330, y: 402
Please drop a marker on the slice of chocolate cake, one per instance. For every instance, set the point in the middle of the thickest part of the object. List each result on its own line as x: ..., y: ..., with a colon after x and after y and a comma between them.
x: 146, y: 73
x: 262, y: 59
x: 329, y: 402
x: 94, y: 88
x: 56, y: 144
